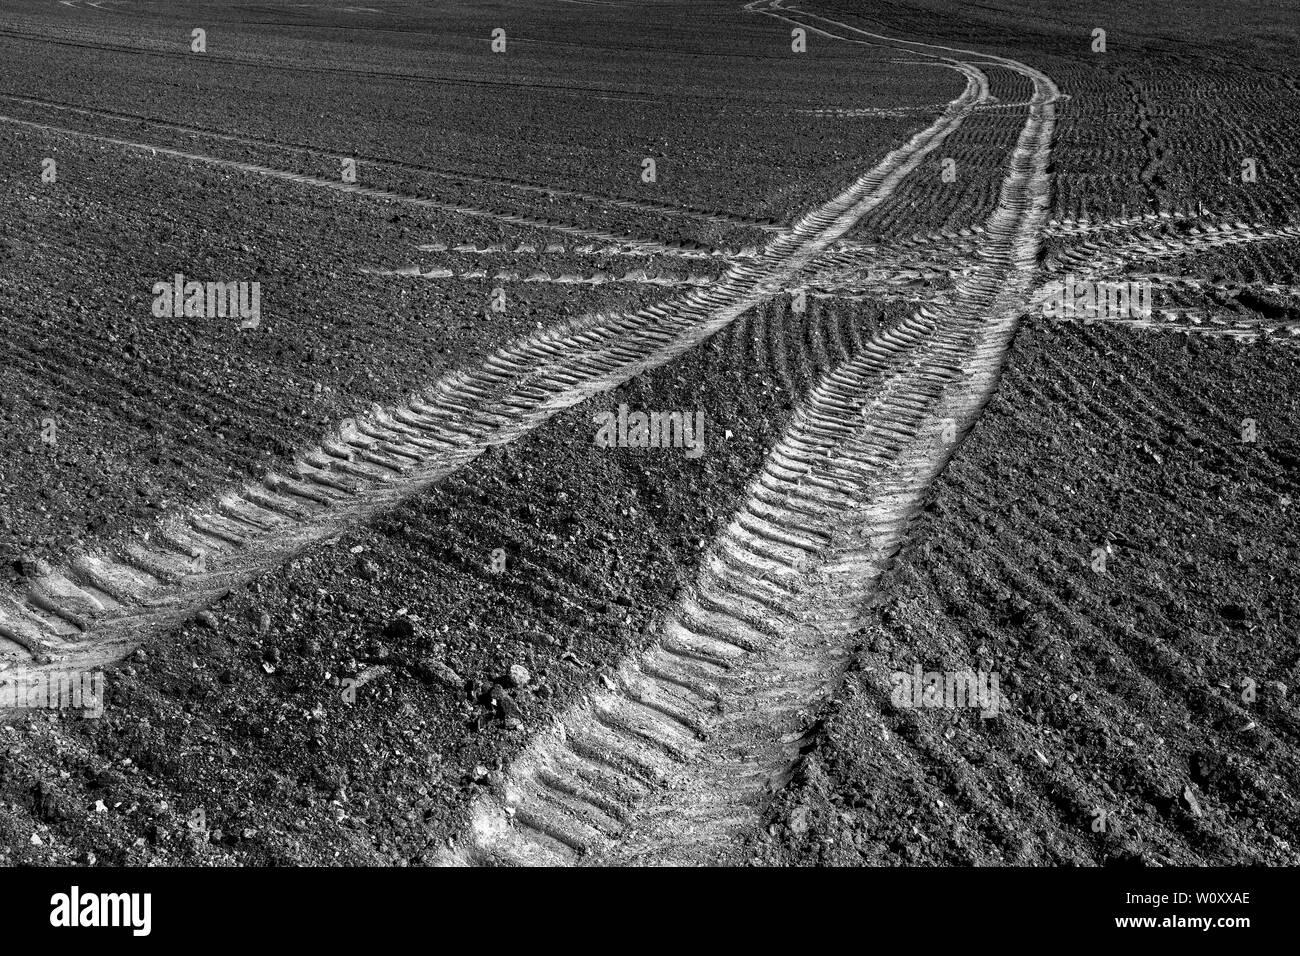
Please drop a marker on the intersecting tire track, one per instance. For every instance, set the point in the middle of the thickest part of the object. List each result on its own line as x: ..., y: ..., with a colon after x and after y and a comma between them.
x: 686, y: 739
x: 96, y: 608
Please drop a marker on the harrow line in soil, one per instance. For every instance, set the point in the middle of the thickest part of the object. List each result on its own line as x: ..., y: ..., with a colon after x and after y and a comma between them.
x: 370, y: 192
x: 657, y: 208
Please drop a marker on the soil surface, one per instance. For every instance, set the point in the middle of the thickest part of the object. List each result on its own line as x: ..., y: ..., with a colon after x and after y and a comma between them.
x: 1115, y: 541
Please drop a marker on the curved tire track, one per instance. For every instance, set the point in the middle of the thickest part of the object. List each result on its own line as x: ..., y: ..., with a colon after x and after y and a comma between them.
x: 682, y: 744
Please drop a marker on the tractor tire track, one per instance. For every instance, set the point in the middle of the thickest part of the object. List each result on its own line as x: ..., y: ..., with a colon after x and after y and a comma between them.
x: 1098, y: 258
x: 684, y: 742
x: 95, y: 609
x: 634, y: 277
x: 682, y: 250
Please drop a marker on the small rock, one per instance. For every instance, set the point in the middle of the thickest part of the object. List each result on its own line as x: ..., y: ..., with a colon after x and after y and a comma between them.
x: 518, y: 676
x: 207, y: 619
x: 433, y: 671
x: 1276, y: 688
x: 509, y: 708
x: 263, y: 623
x: 1190, y: 802
x: 399, y: 629
x: 798, y: 822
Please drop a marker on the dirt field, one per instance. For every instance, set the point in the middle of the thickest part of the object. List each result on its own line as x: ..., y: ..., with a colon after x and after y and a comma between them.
x: 366, y: 585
